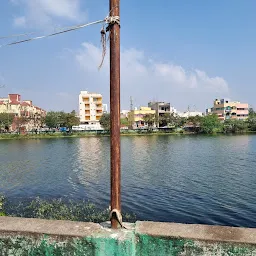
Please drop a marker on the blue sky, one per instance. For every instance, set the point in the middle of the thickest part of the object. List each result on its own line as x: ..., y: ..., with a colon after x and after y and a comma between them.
x: 184, y: 52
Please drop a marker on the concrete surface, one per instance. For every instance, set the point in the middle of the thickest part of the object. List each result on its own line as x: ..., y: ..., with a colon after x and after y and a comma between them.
x: 197, y: 232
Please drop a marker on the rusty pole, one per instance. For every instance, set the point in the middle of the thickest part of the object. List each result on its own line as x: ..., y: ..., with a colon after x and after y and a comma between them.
x: 115, y: 112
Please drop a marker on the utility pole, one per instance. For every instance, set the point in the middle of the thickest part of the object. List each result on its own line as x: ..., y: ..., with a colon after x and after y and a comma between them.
x: 114, y: 30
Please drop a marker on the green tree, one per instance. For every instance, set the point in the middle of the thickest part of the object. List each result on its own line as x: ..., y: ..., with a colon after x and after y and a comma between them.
x: 251, y: 121
x: 235, y: 126
x: 210, y: 124
x: 180, y: 121
x: 105, y: 121
x: 51, y: 119
x: 149, y: 119
x: 195, y: 120
x: 164, y: 120
x: 6, y: 120
x: 124, y: 121
x: 71, y: 119
x: 56, y: 119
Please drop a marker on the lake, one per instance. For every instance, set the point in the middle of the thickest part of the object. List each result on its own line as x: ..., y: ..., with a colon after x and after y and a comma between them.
x: 187, y: 179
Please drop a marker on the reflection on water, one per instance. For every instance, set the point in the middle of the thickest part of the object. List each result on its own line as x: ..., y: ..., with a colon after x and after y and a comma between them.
x: 191, y: 179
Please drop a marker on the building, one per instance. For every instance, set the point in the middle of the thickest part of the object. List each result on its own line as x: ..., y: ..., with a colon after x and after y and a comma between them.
x: 136, y: 117
x: 160, y: 108
x: 105, y: 108
x: 124, y: 113
x: 190, y: 113
x: 26, y: 115
x: 226, y: 109
x: 90, y: 108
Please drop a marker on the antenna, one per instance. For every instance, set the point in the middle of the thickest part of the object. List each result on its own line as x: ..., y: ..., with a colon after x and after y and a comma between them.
x: 131, y: 103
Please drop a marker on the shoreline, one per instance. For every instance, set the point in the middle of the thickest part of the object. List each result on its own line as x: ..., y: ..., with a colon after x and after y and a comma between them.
x: 85, y: 135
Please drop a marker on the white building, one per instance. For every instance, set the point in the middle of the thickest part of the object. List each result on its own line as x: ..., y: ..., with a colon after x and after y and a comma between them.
x: 124, y: 113
x: 105, y: 108
x: 173, y: 110
x: 190, y: 113
x: 90, y: 107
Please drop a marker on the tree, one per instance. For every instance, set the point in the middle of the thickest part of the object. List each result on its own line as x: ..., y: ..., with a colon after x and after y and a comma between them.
x: 234, y: 126
x: 124, y: 121
x: 195, y: 120
x: 19, y: 122
x: 71, y: 119
x: 180, y: 121
x: 6, y: 120
x: 210, y: 124
x: 105, y: 121
x: 175, y: 120
x: 56, y: 119
x: 149, y: 119
x: 251, y: 121
x: 164, y: 120
x: 51, y: 119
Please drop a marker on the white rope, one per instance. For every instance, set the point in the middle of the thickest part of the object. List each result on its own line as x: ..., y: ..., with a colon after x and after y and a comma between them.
x: 110, y: 20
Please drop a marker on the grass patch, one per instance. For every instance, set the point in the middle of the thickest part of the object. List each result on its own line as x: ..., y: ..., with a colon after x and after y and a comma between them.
x: 57, y: 209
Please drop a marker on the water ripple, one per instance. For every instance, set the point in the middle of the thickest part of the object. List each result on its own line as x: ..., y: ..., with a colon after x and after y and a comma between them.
x: 188, y: 179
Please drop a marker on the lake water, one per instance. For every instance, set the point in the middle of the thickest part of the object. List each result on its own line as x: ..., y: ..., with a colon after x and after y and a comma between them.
x: 188, y: 179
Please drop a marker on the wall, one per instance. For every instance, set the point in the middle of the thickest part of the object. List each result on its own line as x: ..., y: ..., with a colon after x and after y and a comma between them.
x: 20, y: 236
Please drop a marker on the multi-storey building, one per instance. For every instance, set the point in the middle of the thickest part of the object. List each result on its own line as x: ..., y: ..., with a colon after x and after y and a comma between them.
x: 160, y: 108
x: 136, y: 117
x: 26, y: 115
x: 90, y: 107
x: 226, y: 109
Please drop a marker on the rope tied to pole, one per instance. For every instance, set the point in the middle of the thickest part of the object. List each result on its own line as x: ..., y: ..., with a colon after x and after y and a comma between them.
x: 118, y: 216
x: 110, y: 21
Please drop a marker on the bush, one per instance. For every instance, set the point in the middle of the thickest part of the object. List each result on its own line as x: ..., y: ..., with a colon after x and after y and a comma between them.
x: 57, y: 209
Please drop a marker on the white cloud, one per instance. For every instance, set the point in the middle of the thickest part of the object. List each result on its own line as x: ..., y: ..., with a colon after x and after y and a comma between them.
x: 43, y: 13
x: 146, y: 79
x: 20, y: 21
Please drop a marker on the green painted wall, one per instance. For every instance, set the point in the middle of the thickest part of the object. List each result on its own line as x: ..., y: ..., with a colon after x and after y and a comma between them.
x: 128, y: 245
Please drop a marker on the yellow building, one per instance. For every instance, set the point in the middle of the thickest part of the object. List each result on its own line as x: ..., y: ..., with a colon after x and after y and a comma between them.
x: 90, y: 107
x: 136, y: 117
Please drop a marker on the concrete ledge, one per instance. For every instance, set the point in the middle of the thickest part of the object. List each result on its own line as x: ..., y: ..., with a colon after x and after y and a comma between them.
x: 147, y: 238
x: 197, y: 232
x: 27, y: 226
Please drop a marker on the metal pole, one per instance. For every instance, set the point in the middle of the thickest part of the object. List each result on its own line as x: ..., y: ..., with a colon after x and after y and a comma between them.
x: 115, y: 112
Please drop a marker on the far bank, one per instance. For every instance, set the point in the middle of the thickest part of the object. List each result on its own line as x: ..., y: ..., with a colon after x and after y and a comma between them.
x: 107, y: 134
